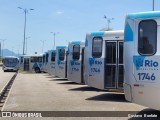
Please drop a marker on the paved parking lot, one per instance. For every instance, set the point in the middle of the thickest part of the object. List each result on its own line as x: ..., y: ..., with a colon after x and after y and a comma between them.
x: 5, y: 77
x: 41, y: 92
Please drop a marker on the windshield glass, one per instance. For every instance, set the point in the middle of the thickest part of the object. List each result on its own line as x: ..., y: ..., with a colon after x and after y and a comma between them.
x: 10, y: 62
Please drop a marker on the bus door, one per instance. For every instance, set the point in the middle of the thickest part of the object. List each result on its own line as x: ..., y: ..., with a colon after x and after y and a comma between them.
x: 26, y: 64
x: 114, y: 65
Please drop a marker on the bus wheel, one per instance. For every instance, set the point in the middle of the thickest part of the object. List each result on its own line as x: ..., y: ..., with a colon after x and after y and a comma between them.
x: 37, y: 70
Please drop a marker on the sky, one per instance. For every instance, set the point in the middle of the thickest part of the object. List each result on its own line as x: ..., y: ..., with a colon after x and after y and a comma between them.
x: 70, y: 19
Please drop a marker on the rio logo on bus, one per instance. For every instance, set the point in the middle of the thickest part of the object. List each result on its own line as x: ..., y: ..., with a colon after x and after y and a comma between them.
x: 140, y: 62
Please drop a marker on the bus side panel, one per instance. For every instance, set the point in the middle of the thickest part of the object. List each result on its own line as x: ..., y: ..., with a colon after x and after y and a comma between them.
x: 56, y: 63
x: 128, y: 70
x: 50, y: 63
x: 85, y: 69
x: 128, y: 55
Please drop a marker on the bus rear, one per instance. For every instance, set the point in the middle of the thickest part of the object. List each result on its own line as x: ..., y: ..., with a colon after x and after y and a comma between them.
x: 75, y: 61
x: 61, y: 61
x: 142, y: 58
x: 104, y: 60
x: 51, y: 62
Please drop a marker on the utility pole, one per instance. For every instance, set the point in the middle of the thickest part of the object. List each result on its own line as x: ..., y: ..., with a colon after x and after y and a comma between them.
x: 26, y: 43
x: 25, y: 20
x: 54, y: 34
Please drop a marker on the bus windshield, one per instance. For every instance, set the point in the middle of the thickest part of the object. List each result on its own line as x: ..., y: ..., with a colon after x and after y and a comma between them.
x: 10, y: 62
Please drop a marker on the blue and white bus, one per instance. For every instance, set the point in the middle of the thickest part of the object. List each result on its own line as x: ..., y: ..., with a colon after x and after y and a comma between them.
x: 61, y: 61
x: 45, y: 62
x: 10, y: 63
x: 142, y: 58
x: 51, y: 62
x: 32, y: 63
x: 75, y: 62
x: 104, y: 59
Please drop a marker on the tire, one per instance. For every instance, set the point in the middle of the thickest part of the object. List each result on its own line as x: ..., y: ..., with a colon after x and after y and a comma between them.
x: 37, y: 70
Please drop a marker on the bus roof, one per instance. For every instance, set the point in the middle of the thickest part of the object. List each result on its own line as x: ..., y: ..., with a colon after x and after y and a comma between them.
x: 59, y: 47
x: 33, y: 55
x: 51, y: 50
x: 142, y: 15
x: 103, y: 33
x: 10, y: 57
x: 76, y: 42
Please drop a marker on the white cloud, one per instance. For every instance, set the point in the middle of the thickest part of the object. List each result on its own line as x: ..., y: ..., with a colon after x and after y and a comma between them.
x: 59, y: 12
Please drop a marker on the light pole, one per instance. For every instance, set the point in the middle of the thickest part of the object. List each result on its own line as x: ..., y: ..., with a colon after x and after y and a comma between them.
x: 25, y: 20
x: 42, y: 44
x: 54, y: 34
x: 3, y: 40
x: 26, y: 43
x: 108, y: 20
x: 153, y: 5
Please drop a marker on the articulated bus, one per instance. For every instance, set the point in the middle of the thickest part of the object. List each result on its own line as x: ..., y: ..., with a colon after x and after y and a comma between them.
x: 75, y: 61
x: 61, y: 61
x: 32, y: 63
x: 51, y: 62
x: 104, y: 60
x: 142, y: 58
x: 10, y: 63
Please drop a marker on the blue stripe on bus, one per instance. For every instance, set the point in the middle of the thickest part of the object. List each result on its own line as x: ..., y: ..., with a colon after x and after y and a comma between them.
x: 151, y: 14
x: 97, y: 33
x: 128, y: 34
x: 59, y: 47
x: 86, y: 42
x: 76, y: 42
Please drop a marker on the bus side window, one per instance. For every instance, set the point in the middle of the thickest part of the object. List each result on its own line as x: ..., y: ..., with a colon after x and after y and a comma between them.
x: 34, y: 59
x: 76, y: 52
x: 61, y: 54
x: 39, y: 59
x: 147, y: 37
x: 97, y: 47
